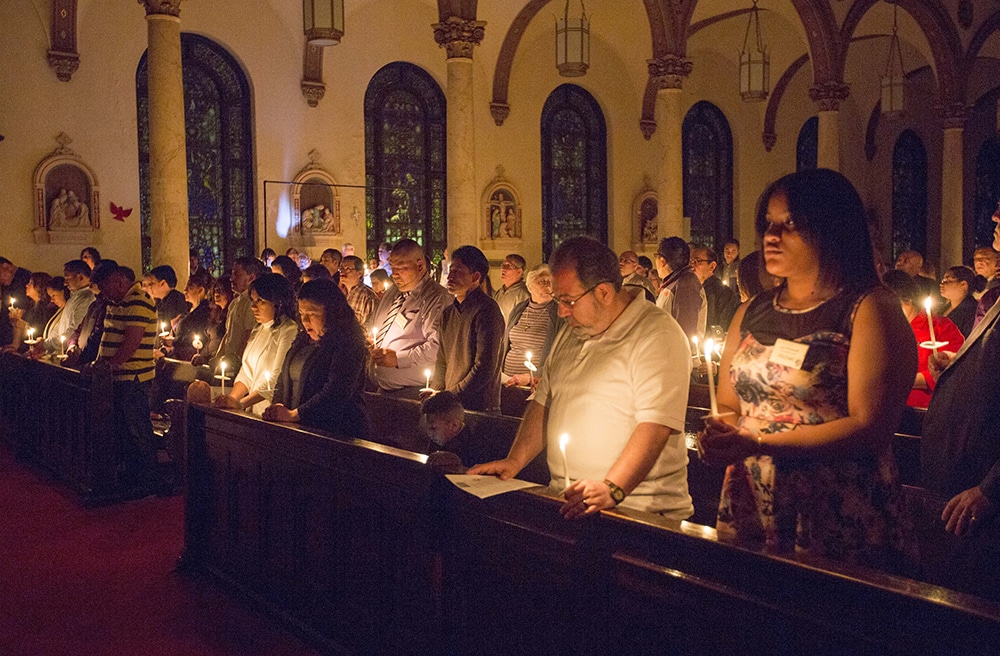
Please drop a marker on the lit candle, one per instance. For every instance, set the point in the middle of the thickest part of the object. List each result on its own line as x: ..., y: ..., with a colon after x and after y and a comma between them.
x: 222, y: 366
x: 374, y: 335
x: 196, y: 342
x: 31, y: 334
x: 62, y: 344
x: 163, y: 329
x: 427, y: 375
x: 930, y: 324
x: 11, y: 303
x: 694, y: 343
x: 709, y: 344
x: 563, y: 441
x: 725, y: 282
x: 529, y: 365
x: 267, y: 380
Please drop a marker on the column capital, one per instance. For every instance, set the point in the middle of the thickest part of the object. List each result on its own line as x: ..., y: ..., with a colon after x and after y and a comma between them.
x: 669, y: 71
x: 952, y: 114
x: 459, y: 35
x: 828, y: 95
x: 162, y: 7
x: 64, y: 64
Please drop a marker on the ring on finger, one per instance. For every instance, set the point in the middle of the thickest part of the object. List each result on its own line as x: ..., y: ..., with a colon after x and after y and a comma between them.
x: 585, y: 504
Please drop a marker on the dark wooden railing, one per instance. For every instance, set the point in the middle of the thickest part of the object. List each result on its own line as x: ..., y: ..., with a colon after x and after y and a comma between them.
x: 365, y: 549
x: 62, y: 421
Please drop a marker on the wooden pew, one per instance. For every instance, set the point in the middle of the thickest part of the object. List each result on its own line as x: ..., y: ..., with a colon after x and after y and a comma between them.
x: 75, y: 444
x: 364, y: 549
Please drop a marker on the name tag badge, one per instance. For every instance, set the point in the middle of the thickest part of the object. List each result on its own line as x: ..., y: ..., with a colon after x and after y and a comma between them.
x: 789, y: 354
x: 401, y: 321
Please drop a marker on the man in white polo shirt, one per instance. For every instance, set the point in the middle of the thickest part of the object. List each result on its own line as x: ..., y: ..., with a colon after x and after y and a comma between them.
x: 615, y: 382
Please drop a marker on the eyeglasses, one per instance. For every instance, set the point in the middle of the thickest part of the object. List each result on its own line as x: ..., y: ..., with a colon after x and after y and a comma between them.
x: 693, y: 262
x: 508, y: 266
x: 571, y: 303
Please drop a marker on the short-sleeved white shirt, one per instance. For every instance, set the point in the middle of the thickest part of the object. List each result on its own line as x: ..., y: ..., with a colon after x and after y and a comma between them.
x: 598, y: 390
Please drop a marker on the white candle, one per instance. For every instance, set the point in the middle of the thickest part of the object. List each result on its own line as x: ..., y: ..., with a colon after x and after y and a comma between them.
x: 709, y: 344
x: 563, y: 441
x: 694, y: 343
x: 62, y: 344
x: 11, y: 303
x: 222, y: 366
x: 930, y: 323
x: 163, y: 329
x: 196, y: 342
x: 31, y: 334
x: 267, y: 380
x: 374, y: 335
x: 528, y: 364
x: 427, y: 375
x: 725, y: 282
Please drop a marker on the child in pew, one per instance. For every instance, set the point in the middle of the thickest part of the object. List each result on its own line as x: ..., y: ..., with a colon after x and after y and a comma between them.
x: 450, y: 445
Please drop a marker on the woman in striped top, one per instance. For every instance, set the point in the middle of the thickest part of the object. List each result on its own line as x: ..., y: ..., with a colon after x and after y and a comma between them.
x: 532, y: 326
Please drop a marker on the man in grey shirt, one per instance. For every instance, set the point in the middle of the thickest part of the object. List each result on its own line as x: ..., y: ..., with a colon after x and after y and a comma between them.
x: 514, y: 290
x: 405, y: 327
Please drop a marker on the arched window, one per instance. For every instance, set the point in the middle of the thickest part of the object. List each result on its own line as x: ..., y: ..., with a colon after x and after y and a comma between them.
x: 574, y: 168
x: 707, y: 144
x: 807, y: 145
x: 219, y: 154
x: 405, y: 159
x: 909, y: 195
x: 987, y: 190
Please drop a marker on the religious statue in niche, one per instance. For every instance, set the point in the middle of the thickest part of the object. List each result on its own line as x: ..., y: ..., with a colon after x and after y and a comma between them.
x: 503, y: 210
x: 66, y: 198
x: 645, y: 209
x: 315, y: 205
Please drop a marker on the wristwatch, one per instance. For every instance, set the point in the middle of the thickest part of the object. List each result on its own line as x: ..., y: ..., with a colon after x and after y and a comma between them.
x: 617, y: 494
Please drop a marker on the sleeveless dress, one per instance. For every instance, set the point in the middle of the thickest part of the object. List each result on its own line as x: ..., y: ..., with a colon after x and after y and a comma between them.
x: 844, y: 508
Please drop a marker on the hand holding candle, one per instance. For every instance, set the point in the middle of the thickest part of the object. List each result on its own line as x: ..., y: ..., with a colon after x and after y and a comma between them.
x: 563, y: 441
x: 709, y: 346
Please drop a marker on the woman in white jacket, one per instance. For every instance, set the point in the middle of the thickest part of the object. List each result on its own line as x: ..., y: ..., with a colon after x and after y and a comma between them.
x: 273, y: 303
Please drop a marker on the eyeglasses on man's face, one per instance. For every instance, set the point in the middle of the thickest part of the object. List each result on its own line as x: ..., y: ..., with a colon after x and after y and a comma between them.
x: 696, y: 262
x: 570, y: 303
x: 507, y: 266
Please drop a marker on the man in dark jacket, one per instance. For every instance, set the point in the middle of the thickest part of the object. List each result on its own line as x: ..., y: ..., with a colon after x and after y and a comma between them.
x: 722, y: 299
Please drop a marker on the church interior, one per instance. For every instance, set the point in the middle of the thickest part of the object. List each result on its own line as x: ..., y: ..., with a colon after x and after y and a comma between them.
x: 158, y: 128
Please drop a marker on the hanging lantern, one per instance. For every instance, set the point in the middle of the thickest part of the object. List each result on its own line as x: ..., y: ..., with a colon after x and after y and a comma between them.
x: 895, y: 74
x: 755, y: 61
x: 323, y: 21
x: 573, y: 43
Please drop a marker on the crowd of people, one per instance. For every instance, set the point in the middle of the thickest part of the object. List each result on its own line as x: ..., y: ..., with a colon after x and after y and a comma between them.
x: 823, y: 348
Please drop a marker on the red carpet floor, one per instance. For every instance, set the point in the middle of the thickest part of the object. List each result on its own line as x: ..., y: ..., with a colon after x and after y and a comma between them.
x: 84, y: 581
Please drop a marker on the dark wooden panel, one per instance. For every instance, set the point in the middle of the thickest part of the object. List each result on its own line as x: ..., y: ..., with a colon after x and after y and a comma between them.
x: 76, y: 444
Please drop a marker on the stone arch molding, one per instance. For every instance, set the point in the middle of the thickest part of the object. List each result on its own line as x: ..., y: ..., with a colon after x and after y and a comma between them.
x: 67, y: 207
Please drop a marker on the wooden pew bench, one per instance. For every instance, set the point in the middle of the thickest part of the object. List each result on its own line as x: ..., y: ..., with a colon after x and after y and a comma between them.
x: 364, y: 549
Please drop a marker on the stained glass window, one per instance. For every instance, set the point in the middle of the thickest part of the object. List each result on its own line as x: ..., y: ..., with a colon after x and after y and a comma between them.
x: 405, y: 159
x: 574, y: 168
x: 707, y: 145
x: 909, y: 195
x: 807, y: 145
x: 987, y: 190
x: 219, y: 155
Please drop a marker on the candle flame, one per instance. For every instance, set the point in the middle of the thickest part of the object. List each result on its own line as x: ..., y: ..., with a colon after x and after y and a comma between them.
x: 527, y: 356
x: 928, y: 303
x: 563, y: 441
x: 709, y: 345
x: 427, y: 373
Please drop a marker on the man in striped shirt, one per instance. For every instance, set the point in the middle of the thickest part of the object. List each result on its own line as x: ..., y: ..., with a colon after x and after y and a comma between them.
x: 127, y: 349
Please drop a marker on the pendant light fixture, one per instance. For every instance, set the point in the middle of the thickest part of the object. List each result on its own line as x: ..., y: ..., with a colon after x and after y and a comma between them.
x: 755, y: 61
x: 573, y: 43
x: 323, y: 21
x: 894, y: 74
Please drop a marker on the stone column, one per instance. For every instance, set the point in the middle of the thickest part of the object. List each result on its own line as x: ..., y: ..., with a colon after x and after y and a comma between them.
x: 459, y: 36
x: 168, y: 220
x: 952, y: 186
x: 668, y: 74
x: 828, y: 95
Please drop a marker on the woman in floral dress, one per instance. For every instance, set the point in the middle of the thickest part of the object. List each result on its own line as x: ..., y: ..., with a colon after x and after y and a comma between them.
x: 818, y: 373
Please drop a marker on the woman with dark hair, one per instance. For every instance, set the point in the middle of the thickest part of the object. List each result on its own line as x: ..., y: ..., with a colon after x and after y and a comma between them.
x: 273, y: 305
x: 958, y: 285
x: 221, y: 296
x: 192, y: 331
x: 752, y: 278
x: 58, y: 294
x: 323, y: 374
x: 267, y: 256
x: 286, y: 266
x: 38, y: 315
x: 91, y: 256
x: 813, y: 385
